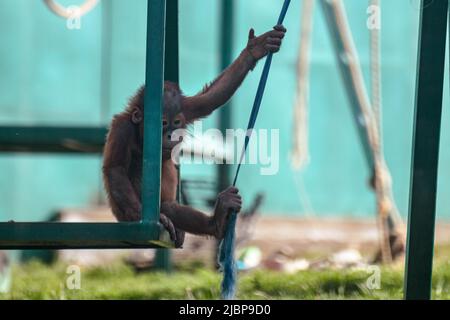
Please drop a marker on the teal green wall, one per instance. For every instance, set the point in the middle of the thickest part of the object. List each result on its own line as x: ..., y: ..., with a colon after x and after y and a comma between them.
x: 52, y: 75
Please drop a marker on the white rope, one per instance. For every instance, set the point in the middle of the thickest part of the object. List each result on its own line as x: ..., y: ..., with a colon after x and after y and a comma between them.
x: 386, y: 207
x: 68, y: 12
x: 375, y: 73
x: 300, y: 148
x: 375, y: 69
x: 303, y: 196
x: 377, y: 106
x: 383, y: 179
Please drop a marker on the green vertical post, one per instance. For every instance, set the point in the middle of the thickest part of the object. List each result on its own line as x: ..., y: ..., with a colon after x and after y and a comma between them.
x: 225, y: 116
x: 151, y: 165
x: 425, y: 153
x: 226, y: 56
x: 171, y: 73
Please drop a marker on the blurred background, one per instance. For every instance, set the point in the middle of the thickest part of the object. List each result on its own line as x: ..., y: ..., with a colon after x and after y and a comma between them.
x: 53, y: 76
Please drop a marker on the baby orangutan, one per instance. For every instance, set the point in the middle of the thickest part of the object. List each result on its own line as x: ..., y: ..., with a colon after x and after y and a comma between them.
x: 122, y: 163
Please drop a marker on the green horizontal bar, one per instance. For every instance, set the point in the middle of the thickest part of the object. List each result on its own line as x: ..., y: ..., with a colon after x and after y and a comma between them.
x: 61, y: 235
x: 52, y: 139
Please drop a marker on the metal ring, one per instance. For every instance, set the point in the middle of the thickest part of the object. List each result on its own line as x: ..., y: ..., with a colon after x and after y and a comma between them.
x: 64, y: 12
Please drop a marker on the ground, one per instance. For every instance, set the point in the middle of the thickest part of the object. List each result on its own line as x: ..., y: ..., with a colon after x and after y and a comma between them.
x: 195, y: 278
x: 191, y: 281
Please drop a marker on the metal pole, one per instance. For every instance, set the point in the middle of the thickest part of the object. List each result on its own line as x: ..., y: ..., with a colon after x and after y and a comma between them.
x: 151, y: 165
x: 425, y: 153
x: 171, y: 73
x: 224, y: 119
x: 226, y: 56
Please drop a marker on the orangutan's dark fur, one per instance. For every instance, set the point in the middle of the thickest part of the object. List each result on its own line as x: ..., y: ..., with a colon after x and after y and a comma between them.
x: 122, y: 164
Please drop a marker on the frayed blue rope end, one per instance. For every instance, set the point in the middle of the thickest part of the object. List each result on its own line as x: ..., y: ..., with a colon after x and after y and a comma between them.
x: 227, y: 262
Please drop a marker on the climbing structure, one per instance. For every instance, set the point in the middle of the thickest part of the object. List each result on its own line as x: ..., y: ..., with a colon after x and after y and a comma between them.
x: 144, y: 234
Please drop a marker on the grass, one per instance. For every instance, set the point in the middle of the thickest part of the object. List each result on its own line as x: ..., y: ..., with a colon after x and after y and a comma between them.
x: 35, y: 280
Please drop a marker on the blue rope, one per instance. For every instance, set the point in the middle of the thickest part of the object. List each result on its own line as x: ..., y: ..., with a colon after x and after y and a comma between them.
x: 226, y: 251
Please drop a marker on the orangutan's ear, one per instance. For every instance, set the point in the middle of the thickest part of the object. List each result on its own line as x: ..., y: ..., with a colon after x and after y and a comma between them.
x: 136, y: 116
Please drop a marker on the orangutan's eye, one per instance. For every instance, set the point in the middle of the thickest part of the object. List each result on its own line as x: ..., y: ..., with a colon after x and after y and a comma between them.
x: 164, y: 123
x: 177, y: 122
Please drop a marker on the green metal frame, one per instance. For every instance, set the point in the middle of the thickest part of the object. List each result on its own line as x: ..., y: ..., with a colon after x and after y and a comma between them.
x: 147, y: 233
x: 425, y: 154
x: 171, y: 73
x: 58, y: 235
x: 225, y: 113
x: 226, y: 56
x: 52, y: 139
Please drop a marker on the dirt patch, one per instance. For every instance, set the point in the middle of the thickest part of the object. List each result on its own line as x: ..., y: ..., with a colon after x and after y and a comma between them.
x: 304, y: 237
